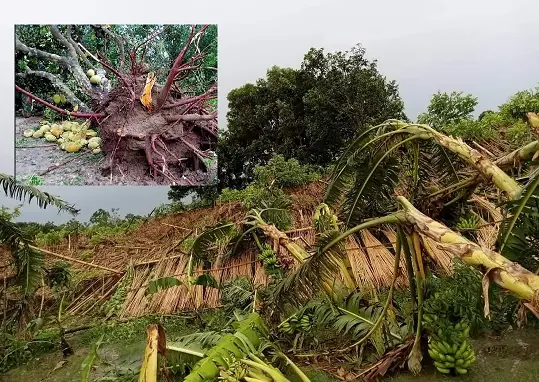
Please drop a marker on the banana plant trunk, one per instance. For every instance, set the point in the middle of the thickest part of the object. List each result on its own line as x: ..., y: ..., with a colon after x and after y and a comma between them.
x: 485, y: 166
x: 300, y: 255
x: 509, y: 275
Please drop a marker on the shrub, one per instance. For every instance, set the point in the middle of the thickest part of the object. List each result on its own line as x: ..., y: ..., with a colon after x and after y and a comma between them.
x: 521, y: 103
x: 519, y: 133
x: 283, y: 173
x: 256, y: 196
x: 50, y: 238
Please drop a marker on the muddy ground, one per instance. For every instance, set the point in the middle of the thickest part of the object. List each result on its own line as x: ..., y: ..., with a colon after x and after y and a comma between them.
x: 33, y: 157
x: 513, y: 357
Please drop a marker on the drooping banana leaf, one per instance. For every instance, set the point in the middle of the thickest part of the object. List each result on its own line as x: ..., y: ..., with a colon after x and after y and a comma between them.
x: 249, y: 335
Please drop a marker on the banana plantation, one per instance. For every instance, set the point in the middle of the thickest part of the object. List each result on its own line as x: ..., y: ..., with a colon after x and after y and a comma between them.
x: 396, y: 260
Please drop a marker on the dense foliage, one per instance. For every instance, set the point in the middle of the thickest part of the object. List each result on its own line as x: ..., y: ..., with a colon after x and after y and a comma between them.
x: 308, y: 114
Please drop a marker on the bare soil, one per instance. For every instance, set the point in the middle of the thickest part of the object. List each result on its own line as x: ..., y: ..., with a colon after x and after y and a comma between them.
x: 33, y: 157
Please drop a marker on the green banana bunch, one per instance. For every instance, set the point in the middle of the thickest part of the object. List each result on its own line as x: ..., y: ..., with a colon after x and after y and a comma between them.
x: 450, y: 350
x: 305, y: 323
x: 469, y: 222
x: 235, y: 370
x: 286, y: 328
x: 269, y: 258
x: 447, y: 357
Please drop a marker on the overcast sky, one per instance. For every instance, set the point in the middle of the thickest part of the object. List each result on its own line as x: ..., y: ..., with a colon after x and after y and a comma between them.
x: 487, y: 48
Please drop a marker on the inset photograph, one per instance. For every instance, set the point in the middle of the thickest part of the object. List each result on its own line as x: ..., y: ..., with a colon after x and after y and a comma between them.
x: 99, y: 105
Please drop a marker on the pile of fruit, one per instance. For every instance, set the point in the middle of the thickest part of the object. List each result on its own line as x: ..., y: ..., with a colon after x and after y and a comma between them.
x: 448, y: 346
x: 71, y: 136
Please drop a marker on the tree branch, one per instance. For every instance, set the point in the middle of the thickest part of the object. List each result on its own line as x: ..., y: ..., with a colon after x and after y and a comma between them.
x: 61, y: 38
x: 57, y: 109
x: 77, y: 49
x: 69, y: 62
x: 58, y: 84
x: 163, y: 95
x: 119, y: 43
x: 21, y: 47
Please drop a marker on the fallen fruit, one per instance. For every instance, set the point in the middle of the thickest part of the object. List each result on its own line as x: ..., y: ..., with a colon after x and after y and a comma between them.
x: 95, y: 79
x: 72, y: 147
x: 50, y: 138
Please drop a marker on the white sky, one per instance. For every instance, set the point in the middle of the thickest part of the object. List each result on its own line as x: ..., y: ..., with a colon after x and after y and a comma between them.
x: 487, y: 48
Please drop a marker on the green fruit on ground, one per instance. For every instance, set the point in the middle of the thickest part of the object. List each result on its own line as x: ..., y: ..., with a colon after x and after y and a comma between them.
x: 90, y: 73
x: 50, y: 138
x: 96, y: 151
x: 45, y: 128
x: 90, y: 133
x: 44, y: 122
x: 56, y: 98
x: 95, y: 139
x: 93, y: 145
x: 56, y: 131
x: 28, y: 133
x: 83, y: 142
x: 60, y: 141
x: 73, y: 147
x: 95, y: 79
x: 63, y: 146
x: 461, y: 370
x: 38, y: 134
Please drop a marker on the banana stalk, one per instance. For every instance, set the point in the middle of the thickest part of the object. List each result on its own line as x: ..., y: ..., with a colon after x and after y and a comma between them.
x: 148, y: 371
x: 485, y: 166
x: 508, y: 275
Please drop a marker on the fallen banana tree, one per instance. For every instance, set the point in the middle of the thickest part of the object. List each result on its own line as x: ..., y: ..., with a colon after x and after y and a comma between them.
x: 509, y: 275
x: 233, y: 357
x: 488, y: 169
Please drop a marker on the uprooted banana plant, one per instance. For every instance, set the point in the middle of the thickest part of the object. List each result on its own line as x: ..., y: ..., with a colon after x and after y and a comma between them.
x: 239, y: 356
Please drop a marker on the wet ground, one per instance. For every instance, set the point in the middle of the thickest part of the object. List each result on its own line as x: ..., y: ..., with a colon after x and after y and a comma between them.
x: 513, y: 357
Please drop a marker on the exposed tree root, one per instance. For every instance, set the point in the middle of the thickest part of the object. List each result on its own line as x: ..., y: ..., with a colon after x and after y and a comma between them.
x: 169, y: 141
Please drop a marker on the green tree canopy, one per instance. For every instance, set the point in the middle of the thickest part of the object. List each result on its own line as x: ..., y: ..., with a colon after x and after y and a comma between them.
x: 308, y: 113
x: 448, y: 108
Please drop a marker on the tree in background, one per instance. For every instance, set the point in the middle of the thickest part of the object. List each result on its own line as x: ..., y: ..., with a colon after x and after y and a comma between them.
x: 452, y: 113
x: 308, y: 113
x: 448, y: 108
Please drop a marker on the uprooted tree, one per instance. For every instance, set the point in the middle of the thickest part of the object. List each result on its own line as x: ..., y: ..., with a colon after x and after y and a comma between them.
x: 167, y: 132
